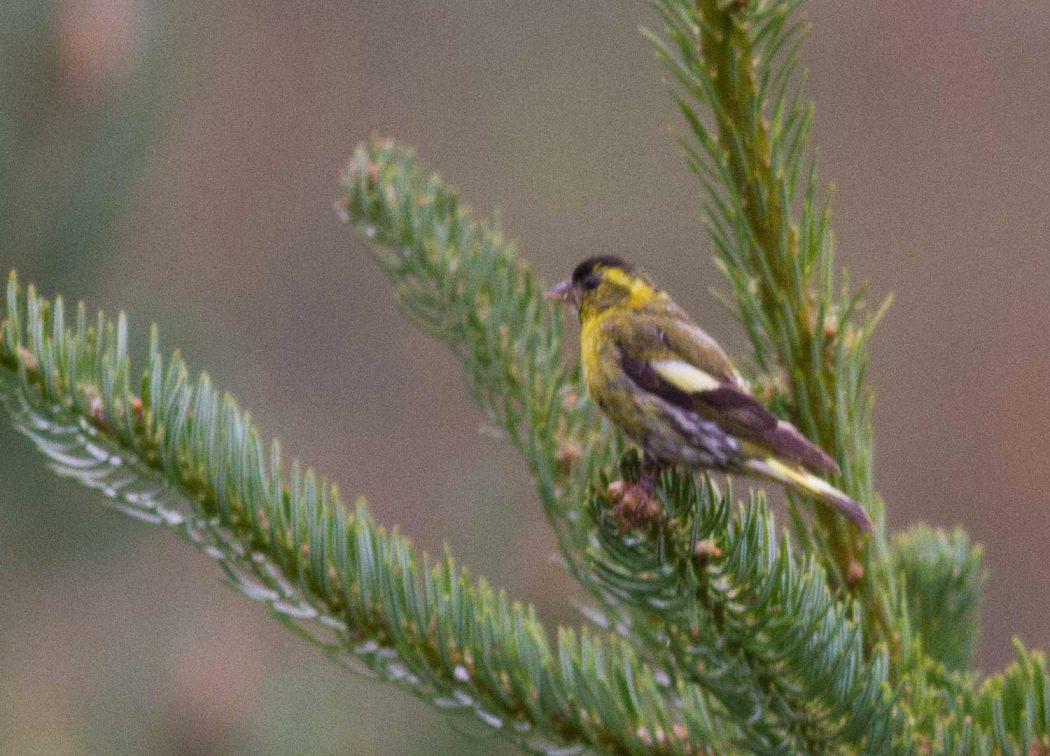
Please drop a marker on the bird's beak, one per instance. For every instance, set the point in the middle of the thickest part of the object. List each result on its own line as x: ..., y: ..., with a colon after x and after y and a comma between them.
x: 562, y: 292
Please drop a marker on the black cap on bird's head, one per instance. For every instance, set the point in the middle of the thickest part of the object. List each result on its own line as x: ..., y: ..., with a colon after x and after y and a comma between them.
x: 592, y: 264
x: 587, y: 277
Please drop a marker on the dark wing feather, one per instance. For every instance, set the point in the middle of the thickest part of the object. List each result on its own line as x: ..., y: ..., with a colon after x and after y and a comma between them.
x: 735, y: 411
x: 642, y: 373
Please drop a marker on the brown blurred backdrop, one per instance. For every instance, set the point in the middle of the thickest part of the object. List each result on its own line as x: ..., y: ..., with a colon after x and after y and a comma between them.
x: 116, y: 638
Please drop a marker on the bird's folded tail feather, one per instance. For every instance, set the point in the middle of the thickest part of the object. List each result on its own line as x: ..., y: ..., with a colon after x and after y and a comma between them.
x: 785, y: 440
x: 801, y: 480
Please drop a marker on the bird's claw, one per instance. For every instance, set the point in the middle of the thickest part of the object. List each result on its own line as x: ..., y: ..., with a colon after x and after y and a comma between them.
x: 633, y: 506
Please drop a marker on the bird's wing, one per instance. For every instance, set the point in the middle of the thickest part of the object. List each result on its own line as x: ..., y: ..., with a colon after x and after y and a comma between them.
x: 678, y: 362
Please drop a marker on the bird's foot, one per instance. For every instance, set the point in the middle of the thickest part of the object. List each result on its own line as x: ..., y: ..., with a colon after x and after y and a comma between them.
x: 634, y: 504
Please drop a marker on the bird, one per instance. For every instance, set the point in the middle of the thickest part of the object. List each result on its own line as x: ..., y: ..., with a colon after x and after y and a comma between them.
x: 672, y: 390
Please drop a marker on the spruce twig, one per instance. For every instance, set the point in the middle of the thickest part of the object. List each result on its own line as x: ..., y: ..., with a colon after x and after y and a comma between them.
x: 180, y: 454
x: 736, y: 80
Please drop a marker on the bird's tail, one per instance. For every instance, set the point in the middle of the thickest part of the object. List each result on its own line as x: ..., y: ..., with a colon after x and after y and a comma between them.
x: 801, y: 480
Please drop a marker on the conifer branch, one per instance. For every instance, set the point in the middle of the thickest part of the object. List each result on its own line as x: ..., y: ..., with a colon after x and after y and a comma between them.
x: 461, y: 281
x: 734, y: 66
x: 181, y: 455
x: 745, y: 618
x: 942, y: 580
x: 1008, y: 713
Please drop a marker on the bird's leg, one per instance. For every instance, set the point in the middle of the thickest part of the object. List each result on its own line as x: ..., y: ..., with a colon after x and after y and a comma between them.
x: 635, y: 504
x: 650, y: 474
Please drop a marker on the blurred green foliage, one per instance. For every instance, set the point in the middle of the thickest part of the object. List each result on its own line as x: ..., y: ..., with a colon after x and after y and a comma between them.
x: 87, y: 91
x: 89, y: 88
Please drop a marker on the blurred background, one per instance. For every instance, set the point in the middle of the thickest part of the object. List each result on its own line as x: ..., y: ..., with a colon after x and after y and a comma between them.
x: 179, y: 161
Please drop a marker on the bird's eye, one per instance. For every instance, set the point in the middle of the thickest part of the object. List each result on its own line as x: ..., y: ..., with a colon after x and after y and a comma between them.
x: 591, y: 282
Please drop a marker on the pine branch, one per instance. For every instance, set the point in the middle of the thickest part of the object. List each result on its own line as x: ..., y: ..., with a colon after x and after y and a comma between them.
x: 734, y: 65
x: 180, y: 455
x: 460, y: 280
x: 1009, y: 713
x: 1015, y: 705
x: 943, y: 579
x: 740, y: 615
x: 735, y: 69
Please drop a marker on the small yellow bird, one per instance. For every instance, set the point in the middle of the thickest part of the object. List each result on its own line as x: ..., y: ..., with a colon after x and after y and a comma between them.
x: 673, y: 391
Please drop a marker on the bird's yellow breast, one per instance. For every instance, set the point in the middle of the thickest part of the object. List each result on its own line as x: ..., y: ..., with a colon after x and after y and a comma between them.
x: 591, y: 350
x: 603, y: 374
